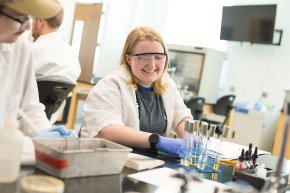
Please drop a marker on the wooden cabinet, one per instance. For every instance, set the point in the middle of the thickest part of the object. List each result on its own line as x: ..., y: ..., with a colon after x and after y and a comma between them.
x: 89, y: 14
x: 278, y: 137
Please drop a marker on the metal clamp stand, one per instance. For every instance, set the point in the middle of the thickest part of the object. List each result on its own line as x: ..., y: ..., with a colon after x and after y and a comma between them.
x: 277, y: 184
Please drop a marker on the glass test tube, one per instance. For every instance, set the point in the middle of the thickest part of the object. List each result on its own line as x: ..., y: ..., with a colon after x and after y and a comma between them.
x: 196, y: 142
x: 185, y: 159
x: 224, y: 135
x: 192, y: 138
x: 204, y: 131
x: 209, y: 134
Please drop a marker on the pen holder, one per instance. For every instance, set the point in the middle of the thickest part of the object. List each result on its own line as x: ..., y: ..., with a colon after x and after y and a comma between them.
x: 199, y: 160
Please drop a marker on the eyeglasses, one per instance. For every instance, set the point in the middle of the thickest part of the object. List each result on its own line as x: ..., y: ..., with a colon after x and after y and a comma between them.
x: 147, y: 57
x: 23, y: 23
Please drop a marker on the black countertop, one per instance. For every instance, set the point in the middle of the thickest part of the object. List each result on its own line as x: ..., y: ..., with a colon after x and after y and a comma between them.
x: 120, y: 183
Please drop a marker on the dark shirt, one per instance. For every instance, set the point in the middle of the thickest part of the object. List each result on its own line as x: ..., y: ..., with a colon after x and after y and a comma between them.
x: 152, y: 114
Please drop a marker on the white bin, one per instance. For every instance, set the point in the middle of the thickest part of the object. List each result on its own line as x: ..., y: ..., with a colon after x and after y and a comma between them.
x: 69, y: 158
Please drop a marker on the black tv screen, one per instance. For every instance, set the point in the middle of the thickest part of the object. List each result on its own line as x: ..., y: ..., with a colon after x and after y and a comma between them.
x: 250, y: 23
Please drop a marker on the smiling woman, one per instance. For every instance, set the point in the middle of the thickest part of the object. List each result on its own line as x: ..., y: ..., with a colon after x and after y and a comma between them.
x: 149, y: 64
x: 139, y: 102
x: 140, y: 44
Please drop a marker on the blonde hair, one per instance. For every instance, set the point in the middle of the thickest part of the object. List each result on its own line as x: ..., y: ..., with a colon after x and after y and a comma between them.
x: 139, y: 34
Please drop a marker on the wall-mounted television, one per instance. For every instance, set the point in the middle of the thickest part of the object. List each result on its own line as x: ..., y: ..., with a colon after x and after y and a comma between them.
x: 248, y: 23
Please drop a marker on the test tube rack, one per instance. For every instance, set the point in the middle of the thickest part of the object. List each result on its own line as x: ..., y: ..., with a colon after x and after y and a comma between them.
x: 200, y: 160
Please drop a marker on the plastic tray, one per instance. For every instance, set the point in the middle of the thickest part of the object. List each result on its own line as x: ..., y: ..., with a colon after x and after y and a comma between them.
x: 69, y: 158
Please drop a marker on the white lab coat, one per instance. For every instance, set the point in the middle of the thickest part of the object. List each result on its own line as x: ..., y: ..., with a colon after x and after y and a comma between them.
x: 54, y: 59
x: 112, y: 101
x: 18, y: 87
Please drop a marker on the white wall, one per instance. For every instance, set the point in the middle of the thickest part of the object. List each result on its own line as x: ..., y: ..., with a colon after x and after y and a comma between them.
x: 253, y: 69
x: 195, y: 23
x: 65, y: 28
x: 248, y: 69
x: 121, y: 18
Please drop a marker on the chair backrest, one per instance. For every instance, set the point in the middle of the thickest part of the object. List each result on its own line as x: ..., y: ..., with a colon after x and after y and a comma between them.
x: 52, y: 94
x: 224, y: 105
x: 196, y: 106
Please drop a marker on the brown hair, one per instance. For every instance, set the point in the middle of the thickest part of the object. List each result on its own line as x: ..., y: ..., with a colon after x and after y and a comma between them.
x: 138, y: 34
x: 56, y: 20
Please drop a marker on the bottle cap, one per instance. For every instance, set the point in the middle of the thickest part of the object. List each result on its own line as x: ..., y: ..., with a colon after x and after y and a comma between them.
x: 42, y: 184
x: 226, y: 130
x: 186, y: 125
x: 250, y: 150
x: 197, y: 126
x: 212, y: 130
x: 255, y: 155
x: 204, y: 128
x: 191, y: 126
x: 242, y: 156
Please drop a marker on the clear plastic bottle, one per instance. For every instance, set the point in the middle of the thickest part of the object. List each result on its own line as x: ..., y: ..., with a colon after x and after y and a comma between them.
x: 11, y: 141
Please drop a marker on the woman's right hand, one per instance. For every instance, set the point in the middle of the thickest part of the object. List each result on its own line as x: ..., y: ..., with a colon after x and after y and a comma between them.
x: 170, y: 145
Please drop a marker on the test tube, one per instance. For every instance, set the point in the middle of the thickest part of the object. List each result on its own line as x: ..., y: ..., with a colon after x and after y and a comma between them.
x: 185, y: 159
x: 204, y: 132
x: 224, y: 135
x: 192, y: 138
x: 211, y: 133
x: 197, y: 129
x: 201, y: 131
x: 196, y: 141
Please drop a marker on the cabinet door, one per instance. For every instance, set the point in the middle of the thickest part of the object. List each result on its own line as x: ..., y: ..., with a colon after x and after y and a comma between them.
x: 90, y: 15
x: 247, y: 129
x: 279, y: 136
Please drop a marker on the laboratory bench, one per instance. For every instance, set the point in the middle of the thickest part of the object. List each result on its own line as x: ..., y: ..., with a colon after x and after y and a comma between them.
x: 120, y: 183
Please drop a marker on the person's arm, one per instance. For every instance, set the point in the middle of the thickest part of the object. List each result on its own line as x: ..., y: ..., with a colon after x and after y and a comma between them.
x: 134, y: 138
x: 180, y: 127
x: 125, y: 136
x: 30, y: 104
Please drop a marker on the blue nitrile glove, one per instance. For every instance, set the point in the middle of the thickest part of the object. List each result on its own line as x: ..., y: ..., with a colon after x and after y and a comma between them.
x: 57, y: 132
x: 170, y: 145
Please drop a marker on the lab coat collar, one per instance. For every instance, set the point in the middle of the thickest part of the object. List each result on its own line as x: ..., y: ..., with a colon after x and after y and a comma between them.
x: 48, y: 36
x: 124, y: 73
x: 5, y: 47
x: 5, y: 50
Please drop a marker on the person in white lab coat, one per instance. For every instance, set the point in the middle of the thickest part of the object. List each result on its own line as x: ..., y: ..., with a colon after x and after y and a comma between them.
x: 138, y: 105
x: 53, y: 58
x: 17, y: 78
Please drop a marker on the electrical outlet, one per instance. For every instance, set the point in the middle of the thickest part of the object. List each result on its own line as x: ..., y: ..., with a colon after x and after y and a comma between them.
x: 265, y: 94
